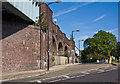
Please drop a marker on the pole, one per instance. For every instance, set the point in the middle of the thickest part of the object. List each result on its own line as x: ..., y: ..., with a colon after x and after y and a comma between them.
x: 72, y: 48
x: 48, y: 41
x: 40, y: 41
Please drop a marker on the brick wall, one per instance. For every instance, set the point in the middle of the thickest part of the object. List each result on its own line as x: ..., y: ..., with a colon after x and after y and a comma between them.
x: 21, y: 43
x: 21, y: 51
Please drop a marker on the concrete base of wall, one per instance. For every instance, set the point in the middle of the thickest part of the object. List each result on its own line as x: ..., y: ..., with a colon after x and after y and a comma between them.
x: 61, y: 60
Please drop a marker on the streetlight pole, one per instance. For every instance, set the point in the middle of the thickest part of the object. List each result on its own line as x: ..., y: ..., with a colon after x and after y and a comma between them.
x: 48, y: 32
x: 73, y: 47
x: 40, y: 42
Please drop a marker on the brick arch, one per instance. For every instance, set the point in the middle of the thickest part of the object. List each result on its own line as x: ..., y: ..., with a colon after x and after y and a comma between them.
x: 54, y: 46
x: 66, y: 48
x: 60, y: 48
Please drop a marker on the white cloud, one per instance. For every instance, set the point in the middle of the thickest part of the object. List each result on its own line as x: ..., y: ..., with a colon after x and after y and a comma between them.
x: 95, y: 32
x: 73, y: 8
x: 112, y: 30
x: 83, y: 37
x: 64, y: 12
x: 99, y: 18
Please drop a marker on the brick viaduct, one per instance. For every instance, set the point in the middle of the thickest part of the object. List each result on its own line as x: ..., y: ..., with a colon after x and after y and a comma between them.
x: 21, y: 43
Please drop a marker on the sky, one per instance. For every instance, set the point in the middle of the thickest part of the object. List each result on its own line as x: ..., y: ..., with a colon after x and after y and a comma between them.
x: 88, y: 17
x: 82, y: 0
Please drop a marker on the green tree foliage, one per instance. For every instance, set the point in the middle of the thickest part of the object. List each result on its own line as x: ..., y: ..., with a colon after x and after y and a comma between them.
x: 67, y: 55
x: 116, y: 52
x: 100, y: 46
x: 71, y: 38
x: 42, y: 22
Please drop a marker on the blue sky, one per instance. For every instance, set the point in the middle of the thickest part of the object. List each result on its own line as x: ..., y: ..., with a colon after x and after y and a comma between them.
x: 88, y: 17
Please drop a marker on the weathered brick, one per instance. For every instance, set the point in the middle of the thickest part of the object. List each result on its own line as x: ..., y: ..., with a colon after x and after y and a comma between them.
x: 21, y: 43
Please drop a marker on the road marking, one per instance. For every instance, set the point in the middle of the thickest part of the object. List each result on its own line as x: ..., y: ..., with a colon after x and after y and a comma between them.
x: 83, y: 72
x: 66, y: 76
x: 39, y: 81
x: 73, y: 77
x: 101, y: 70
x: 115, y: 68
x: 49, y: 78
x: 35, y: 81
x: 110, y: 70
x: 54, y: 80
x: 80, y: 75
x: 86, y: 73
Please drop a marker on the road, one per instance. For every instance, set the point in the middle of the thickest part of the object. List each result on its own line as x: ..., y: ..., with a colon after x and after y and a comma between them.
x: 110, y: 75
x: 75, y: 74
x: 100, y: 75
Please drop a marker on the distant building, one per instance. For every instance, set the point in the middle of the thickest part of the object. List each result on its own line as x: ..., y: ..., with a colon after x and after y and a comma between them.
x: 76, y: 54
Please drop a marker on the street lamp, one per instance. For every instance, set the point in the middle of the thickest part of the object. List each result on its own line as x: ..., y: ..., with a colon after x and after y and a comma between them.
x: 55, y: 20
x: 72, y: 46
x: 48, y: 32
x: 54, y: 2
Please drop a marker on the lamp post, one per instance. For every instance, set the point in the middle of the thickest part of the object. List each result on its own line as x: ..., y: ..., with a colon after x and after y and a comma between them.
x: 48, y: 32
x: 72, y: 46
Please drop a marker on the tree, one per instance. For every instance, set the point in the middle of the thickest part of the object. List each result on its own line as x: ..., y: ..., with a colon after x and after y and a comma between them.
x: 100, y: 46
x: 105, y: 42
x: 42, y: 21
x: 116, y: 52
x: 67, y: 55
x: 71, y: 38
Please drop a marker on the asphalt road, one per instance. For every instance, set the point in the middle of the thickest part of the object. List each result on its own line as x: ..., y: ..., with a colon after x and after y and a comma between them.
x: 96, y: 75
x: 101, y: 76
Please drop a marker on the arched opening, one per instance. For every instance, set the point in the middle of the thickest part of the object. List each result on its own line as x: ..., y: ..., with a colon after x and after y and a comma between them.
x: 54, y: 46
x: 66, y: 53
x: 66, y: 48
x: 60, y: 49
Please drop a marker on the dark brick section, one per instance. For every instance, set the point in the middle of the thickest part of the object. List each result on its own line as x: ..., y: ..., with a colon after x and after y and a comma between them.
x: 10, y: 21
x: 21, y: 50
x: 21, y: 44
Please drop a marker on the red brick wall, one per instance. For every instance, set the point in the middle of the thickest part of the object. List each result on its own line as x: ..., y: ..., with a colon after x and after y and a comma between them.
x: 21, y: 50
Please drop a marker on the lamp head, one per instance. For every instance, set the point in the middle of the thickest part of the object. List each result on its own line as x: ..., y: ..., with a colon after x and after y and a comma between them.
x: 77, y: 30
x: 58, y: 1
x: 55, y: 20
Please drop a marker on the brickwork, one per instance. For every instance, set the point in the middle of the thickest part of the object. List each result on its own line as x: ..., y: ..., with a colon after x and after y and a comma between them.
x: 21, y: 49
